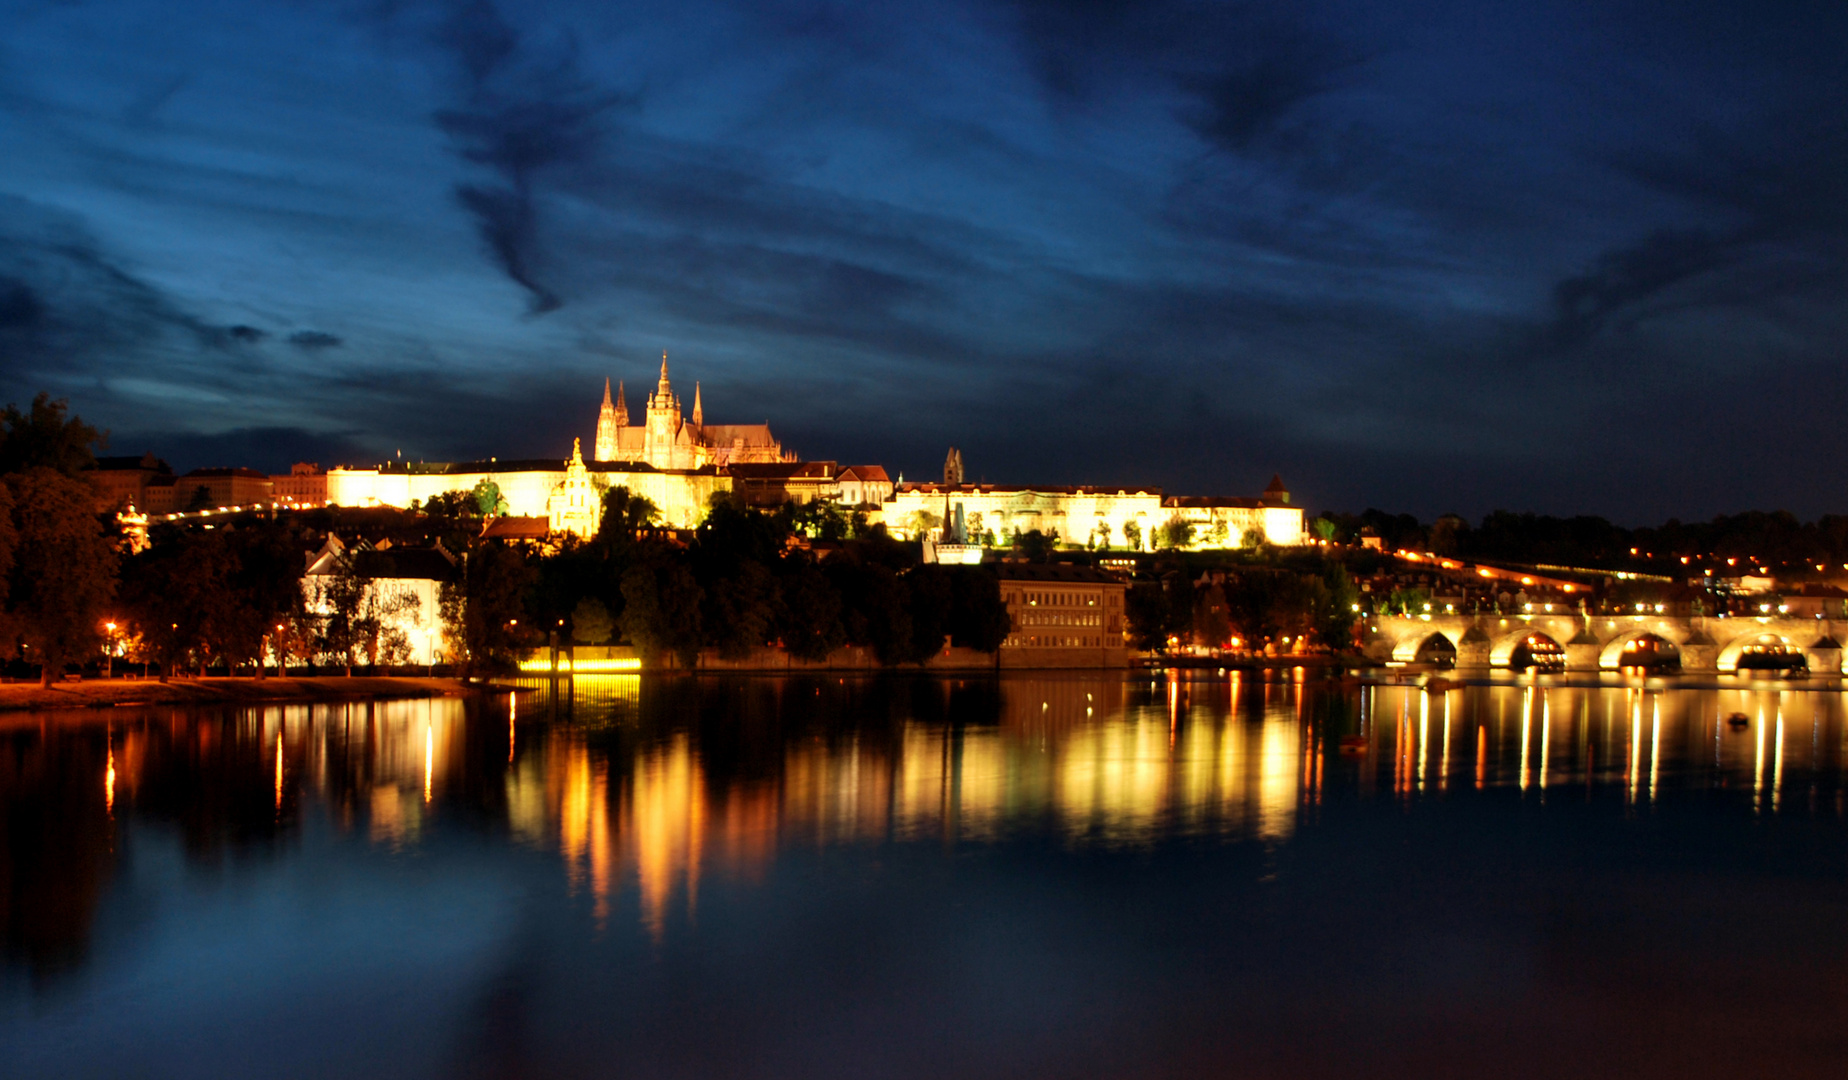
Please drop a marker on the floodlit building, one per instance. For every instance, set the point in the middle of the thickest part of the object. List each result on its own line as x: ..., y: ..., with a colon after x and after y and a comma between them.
x: 402, y: 583
x: 668, y: 439
x: 528, y: 487
x: 863, y: 485
x: 1062, y: 616
x: 214, y: 488
x: 304, y: 485
x: 1114, y: 517
x: 1095, y: 517
x: 122, y: 482
x: 1226, y: 521
x: 770, y: 484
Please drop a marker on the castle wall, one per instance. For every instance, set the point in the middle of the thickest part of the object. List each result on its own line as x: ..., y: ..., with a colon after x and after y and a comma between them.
x: 681, y: 497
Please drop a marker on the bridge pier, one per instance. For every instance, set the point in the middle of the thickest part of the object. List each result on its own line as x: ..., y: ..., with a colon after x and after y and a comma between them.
x: 1473, y: 648
x: 1700, y: 654
x: 1825, y: 656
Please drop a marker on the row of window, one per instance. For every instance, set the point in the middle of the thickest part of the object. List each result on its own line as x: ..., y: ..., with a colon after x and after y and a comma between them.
x: 1063, y: 599
x: 1061, y: 618
x: 1047, y: 641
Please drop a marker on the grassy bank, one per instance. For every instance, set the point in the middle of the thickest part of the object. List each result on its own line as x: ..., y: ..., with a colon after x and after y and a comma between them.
x: 105, y: 693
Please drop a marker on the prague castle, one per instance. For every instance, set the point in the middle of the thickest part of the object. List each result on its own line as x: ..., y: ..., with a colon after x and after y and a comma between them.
x: 679, y: 462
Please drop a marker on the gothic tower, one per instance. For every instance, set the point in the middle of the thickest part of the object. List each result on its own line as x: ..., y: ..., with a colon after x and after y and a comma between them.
x: 699, y: 419
x: 664, y: 423
x: 610, y: 420
x: 953, y: 468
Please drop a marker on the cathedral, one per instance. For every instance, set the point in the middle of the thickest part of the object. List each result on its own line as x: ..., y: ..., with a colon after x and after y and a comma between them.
x: 668, y: 439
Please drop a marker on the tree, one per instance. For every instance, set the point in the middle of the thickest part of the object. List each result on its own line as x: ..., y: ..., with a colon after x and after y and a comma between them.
x: 661, y: 608
x: 488, y: 603
x: 625, y: 515
x: 1333, y: 621
x: 1036, y: 546
x: 1253, y: 537
x: 63, y: 567
x: 811, y: 613
x: 1132, y: 536
x: 488, y: 499
x: 590, y: 622
x: 44, y: 437
x: 382, y: 640
x: 818, y: 519
x: 451, y: 506
x: 740, y: 610
x: 920, y: 523
x: 1324, y: 529
x: 1155, y: 610
x: 1175, y: 533
x: 978, y: 616
x: 342, y: 596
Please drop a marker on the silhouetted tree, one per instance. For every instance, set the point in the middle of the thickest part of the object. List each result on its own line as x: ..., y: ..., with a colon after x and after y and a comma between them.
x: 63, y: 567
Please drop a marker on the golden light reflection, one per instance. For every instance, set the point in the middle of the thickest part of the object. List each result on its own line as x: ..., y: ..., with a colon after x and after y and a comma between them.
x: 640, y: 818
x: 1546, y: 736
x: 1527, y: 722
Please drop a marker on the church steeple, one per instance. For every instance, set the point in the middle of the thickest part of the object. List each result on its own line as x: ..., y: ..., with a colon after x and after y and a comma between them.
x: 698, y: 413
x: 609, y: 418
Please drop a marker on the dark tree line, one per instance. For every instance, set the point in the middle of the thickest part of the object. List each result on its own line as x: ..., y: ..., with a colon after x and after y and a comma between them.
x: 743, y: 583
x: 1773, y: 538
x: 1259, y: 605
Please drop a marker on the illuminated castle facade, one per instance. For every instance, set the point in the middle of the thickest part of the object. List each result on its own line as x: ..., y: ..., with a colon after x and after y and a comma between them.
x: 668, y: 439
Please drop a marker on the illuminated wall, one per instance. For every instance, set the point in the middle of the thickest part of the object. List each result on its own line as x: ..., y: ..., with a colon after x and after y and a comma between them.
x: 681, y: 497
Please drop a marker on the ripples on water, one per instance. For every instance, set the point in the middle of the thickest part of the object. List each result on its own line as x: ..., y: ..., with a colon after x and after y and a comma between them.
x: 1076, y: 875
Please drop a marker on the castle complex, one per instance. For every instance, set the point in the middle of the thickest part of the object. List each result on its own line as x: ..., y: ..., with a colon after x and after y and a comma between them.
x: 678, y: 462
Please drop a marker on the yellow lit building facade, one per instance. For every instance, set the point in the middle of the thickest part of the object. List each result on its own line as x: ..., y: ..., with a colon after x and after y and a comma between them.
x: 1091, y: 516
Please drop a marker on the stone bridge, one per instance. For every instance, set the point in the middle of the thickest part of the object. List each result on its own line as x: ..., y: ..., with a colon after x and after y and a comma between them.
x: 1595, y: 642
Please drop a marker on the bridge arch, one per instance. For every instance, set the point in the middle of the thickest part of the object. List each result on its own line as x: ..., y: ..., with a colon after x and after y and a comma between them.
x: 1420, y: 648
x: 1775, y: 649
x: 1525, y: 643
x: 1639, y: 648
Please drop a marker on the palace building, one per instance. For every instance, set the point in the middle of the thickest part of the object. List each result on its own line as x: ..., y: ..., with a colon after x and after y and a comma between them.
x: 1089, y: 516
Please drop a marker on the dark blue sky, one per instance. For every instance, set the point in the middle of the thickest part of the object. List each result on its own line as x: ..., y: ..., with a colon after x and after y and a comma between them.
x: 1572, y: 257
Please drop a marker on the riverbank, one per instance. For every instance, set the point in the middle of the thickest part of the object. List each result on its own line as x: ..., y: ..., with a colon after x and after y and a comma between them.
x: 108, y: 693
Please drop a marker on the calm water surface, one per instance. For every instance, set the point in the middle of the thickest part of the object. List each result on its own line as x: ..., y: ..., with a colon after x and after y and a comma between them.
x: 1090, y: 875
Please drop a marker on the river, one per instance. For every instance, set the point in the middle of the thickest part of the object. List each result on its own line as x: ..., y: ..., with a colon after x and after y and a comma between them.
x: 1096, y: 874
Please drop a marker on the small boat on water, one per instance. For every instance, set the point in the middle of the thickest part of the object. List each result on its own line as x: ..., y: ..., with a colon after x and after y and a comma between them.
x: 1738, y: 721
x: 1353, y: 745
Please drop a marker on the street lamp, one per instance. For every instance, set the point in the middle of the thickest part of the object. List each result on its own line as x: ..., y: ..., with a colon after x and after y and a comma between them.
x: 109, y: 651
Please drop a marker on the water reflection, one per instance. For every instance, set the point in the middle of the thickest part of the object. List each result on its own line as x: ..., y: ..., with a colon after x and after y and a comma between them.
x: 648, y: 789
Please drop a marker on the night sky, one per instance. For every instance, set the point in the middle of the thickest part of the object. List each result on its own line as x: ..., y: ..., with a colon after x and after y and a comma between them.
x: 1567, y: 257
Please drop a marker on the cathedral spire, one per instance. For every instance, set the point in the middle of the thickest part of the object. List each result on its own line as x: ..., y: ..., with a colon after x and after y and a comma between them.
x: 698, y: 413
x: 605, y: 448
x: 622, y: 406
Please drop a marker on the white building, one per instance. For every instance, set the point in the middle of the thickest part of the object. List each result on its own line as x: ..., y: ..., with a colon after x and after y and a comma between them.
x: 404, y: 584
